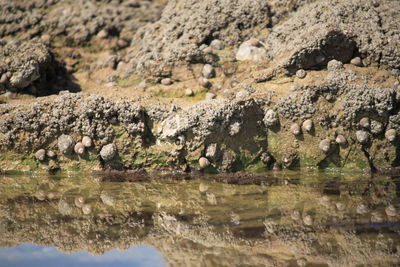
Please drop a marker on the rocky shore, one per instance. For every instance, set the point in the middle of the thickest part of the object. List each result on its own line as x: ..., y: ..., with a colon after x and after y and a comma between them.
x: 253, y: 86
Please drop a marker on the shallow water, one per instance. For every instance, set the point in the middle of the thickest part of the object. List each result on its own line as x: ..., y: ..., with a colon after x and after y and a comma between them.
x: 301, y: 219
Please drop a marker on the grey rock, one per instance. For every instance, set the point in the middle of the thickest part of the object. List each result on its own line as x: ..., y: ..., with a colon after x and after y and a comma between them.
x: 325, y: 145
x: 295, y: 129
x: 249, y: 50
x: 208, y: 71
x: 108, y: 152
x: 391, y: 135
x: 87, y: 141
x: 66, y: 144
x: 301, y: 74
x: 271, y: 118
x: 335, y: 65
x: 362, y: 137
x: 40, y: 155
x: 79, y: 148
x: 217, y: 44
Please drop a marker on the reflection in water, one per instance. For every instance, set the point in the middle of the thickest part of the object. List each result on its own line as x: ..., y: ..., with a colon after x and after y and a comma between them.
x: 318, y: 220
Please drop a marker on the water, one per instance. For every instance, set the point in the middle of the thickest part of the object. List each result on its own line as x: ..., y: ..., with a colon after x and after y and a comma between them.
x: 299, y: 219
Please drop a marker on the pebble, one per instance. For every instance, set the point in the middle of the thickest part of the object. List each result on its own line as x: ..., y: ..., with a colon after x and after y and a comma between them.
x: 301, y: 74
x: 242, y: 94
x: 108, y: 152
x: 86, y: 209
x: 122, y: 43
x: 210, y: 96
x: 79, y: 148
x: 308, y: 220
x: 208, y: 71
x: 204, y: 162
x: 40, y: 155
x: 295, y: 129
x: 362, y: 208
x: 51, y: 154
x: 79, y: 202
x: 356, y: 62
x: 325, y: 145
x: 362, y: 137
x: 217, y: 44
x: 307, y: 125
x: 189, y: 92
x: 295, y: 215
x: 390, y: 135
x: 166, y: 81
x: 65, y: 144
x: 365, y: 123
x: 103, y: 34
x: 204, y: 82
x: 334, y: 65
x: 341, y: 140
x: 87, y: 141
x: 391, y: 211
x: 3, y: 78
x: 271, y: 118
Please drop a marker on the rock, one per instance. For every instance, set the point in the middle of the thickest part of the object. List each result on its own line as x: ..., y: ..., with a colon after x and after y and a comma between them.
x: 391, y: 211
x: 66, y: 144
x: 103, y: 34
x: 301, y: 74
x: 335, y: 65
x: 340, y: 206
x: 208, y: 50
x: 249, y: 50
x: 341, y: 140
x: 79, y: 148
x: 307, y: 125
x: 362, y: 208
x: 376, y: 127
x: 40, y: 195
x: 295, y: 215
x: 87, y: 141
x: 217, y: 44
x: 166, y: 81
x: 365, y: 123
x: 108, y: 152
x: 271, y: 118
x: 122, y: 43
x: 210, y: 96
x: 242, y: 94
x: 107, y: 199
x: 189, y: 92
x: 362, y: 137
x: 79, y: 202
x: 51, y: 154
x: 391, y: 135
x: 203, y: 187
x: 308, y: 220
x: 295, y: 129
x: 356, y: 62
x: 234, y: 128
x: 46, y: 39
x: 204, y: 82
x: 3, y: 78
x: 208, y: 71
x: 325, y: 145
x: 86, y: 209
x: 204, y: 162
x: 40, y: 155
x: 211, y: 151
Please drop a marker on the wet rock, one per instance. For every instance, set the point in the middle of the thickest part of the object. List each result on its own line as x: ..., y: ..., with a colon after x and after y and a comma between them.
x: 335, y: 65
x: 341, y: 140
x: 325, y: 145
x: 251, y: 51
x: 217, y: 44
x: 391, y: 211
x: 40, y: 155
x: 365, y: 123
x: 79, y: 148
x: 362, y: 137
x: 301, y: 74
x: 108, y: 152
x: 86, y: 209
x: 79, y: 202
x: 66, y: 144
x: 87, y: 141
x: 391, y: 135
x: 189, y: 92
x: 208, y: 71
x: 166, y: 81
x: 356, y: 62
x: 307, y: 125
x: 295, y: 129
x: 204, y: 162
x: 271, y: 118
x: 308, y: 220
x: 204, y: 82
